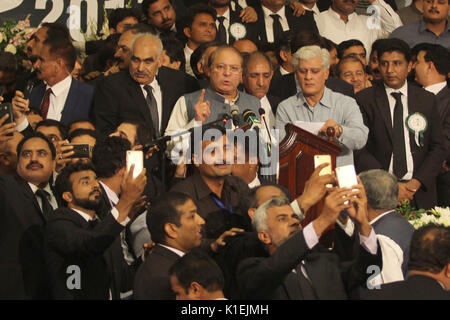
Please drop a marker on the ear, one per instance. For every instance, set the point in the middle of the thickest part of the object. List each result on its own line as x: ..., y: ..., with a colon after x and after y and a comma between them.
x: 196, y: 289
x: 447, y: 270
x: 67, y: 196
x: 410, y: 65
x: 251, y: 212
x: 171, y: 230
x: 112, y: 30
x: 122, y: 171
x: 283, y: 55
x: 264, y: 237
x: 187, y: 32
x: 200, y: 67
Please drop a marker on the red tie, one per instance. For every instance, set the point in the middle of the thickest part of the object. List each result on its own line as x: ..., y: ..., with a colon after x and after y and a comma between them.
x: 45, y: 103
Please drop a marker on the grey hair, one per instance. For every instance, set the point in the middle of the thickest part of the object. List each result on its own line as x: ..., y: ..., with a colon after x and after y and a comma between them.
x: 149, y: 35
x: 311, y: 52
x: 381, y: 189
x: 260, y: 215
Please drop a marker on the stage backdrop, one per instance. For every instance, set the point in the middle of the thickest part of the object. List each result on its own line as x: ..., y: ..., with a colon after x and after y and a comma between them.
x: 79, y: 15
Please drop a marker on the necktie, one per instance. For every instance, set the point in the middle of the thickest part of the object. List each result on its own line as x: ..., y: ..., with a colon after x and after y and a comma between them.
x: 45, y: 103
x: 277, y: 29
x: 47, y: 208
x: 153, y: 107
x: 221, y: 32
x: 398, y: 137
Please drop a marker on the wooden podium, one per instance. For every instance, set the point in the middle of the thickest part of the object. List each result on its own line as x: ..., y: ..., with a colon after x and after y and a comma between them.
x: 297, y: 151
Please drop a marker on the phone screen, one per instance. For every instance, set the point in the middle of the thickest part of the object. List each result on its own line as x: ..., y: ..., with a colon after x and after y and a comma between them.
x: 136, y: 158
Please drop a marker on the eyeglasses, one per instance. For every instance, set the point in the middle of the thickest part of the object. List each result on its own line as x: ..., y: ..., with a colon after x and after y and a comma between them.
x: 222, y: 67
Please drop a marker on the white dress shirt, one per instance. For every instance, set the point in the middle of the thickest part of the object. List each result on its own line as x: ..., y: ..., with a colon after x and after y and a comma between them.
x: 268, y: 20
x: 367, y: 29
x: 47, y: 188
x: 156, y: 90
x: 436, y: 88
x: 409, y: 158
x: 187, y: 55
x: 270, y: 118
x: 283, y: 71
x: 58, y: 98
x: 226, y: 24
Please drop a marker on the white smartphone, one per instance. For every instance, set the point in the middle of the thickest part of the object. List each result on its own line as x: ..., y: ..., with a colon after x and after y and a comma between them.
x: 346, y: 176
x: 136, y: 158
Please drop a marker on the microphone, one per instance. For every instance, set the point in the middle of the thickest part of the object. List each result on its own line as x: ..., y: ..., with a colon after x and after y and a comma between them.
x: 262, y: 113
x: 251, y: 118
x: 223, y: 118
x: 237, y: 118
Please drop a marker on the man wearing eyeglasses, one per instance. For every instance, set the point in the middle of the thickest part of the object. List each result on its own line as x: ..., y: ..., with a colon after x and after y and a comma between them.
x: 207, y: 105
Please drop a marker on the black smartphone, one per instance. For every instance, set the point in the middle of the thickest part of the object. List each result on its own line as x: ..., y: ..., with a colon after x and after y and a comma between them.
x: 6, y: 108
x: 27, y: 90
x: 80, y: 150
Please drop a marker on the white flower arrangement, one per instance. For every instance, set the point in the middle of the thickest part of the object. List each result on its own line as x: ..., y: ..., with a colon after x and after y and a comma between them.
x: 437, y: 215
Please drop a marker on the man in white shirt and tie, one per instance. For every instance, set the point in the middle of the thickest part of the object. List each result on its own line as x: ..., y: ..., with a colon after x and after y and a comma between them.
x: 340, y: 22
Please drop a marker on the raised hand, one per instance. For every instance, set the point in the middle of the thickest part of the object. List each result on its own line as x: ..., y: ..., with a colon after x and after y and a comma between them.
x: 202, y: 108
x: 315, y: 188
x: 132, y: 189
x: 297, y: 8
x: 248, y: 15
x: 20, y: 107
x: 335, y: 202
x: 220, y: 241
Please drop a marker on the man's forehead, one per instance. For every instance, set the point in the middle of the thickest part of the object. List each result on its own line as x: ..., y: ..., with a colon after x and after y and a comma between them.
x: 275, y: 211
x: 258, y: 65
x: 35, y: 143
x: 351, y: 65
x: 227, y: 55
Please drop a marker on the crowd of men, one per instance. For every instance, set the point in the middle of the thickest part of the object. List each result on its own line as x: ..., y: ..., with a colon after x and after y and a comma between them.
x: 79, y: 223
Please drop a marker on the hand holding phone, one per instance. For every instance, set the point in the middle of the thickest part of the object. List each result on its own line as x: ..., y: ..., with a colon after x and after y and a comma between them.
x: 6, y: 109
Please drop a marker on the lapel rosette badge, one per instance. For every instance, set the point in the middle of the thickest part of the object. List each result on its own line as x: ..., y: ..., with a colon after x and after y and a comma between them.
x: 417, y: 124
x: 238, y: 30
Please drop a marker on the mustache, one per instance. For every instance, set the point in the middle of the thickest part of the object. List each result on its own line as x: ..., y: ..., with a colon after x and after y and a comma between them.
x: 166, y: 20
x: 350, y: 1
x: 96, y: 190
x: 141, y: 73
x: 34, y: 163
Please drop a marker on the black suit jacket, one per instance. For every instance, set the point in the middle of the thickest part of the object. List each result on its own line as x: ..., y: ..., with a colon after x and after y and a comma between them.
x: 118, y: 97
x: 71, y: 241
x: 415, y: 287
x: 377, y: 152
x: 122, y: 274
x: 257, y: 30
x: 286, y: 86
x: 331, y: 278
x: 78, y: 103
x: 22, y: 268
x: 152, y: 280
